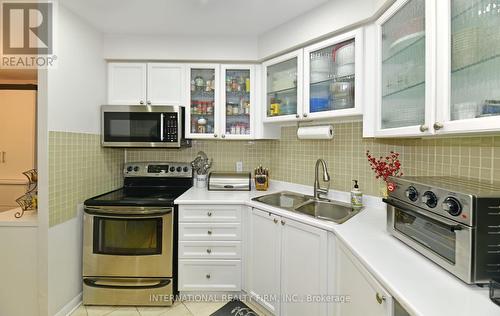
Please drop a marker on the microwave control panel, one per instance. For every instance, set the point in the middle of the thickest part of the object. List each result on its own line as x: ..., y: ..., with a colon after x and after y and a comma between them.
x: 171, y: 125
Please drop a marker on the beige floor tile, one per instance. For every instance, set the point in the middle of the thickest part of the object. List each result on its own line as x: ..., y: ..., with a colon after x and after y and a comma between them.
x: 178, y: 309
x: 80, y: 311
x: 124, y: 311
x: 202, y: 308
x: 100, y: 310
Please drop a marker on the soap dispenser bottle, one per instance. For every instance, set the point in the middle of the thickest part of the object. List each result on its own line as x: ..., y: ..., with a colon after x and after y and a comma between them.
x: 356, y: 196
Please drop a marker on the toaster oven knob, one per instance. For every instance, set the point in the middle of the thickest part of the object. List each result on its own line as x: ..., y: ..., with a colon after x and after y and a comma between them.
x: 412, y: 194
x: 452, y: 206
x: 430, y: 199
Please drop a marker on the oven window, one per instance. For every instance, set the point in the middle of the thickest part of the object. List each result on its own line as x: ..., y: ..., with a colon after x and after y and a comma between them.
x: 132, y: 127
x: 436, y: 236
x: 127, y: 237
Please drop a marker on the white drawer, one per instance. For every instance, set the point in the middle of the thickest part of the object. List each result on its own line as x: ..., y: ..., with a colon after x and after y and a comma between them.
x: 210, y: 213
x: 209, y: 231
x: 209, y: 275
x: 210, y: 250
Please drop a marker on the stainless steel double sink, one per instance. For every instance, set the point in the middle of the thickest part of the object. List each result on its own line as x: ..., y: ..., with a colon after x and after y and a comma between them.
x: 329, y: 210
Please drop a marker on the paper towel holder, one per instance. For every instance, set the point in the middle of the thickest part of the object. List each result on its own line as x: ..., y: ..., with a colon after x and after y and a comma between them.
x: 331, y: 129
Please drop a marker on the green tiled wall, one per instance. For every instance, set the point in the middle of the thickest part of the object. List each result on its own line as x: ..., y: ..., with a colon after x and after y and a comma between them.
x: 79, y: 168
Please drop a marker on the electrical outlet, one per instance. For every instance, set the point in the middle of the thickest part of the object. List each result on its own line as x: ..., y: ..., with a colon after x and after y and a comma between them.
x: 239, y: 166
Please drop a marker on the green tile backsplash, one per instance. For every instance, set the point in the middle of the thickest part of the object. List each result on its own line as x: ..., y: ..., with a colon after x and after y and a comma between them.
x: 79, y: 168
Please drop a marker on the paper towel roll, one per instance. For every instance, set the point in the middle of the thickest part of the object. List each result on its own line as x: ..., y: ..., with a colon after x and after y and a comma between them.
x: 315, y: 132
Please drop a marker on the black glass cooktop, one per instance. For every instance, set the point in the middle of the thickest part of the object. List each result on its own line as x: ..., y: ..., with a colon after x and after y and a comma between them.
x: 124, y: 197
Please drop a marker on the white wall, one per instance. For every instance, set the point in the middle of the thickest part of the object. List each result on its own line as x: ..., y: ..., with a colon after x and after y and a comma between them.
x: 76, y: 89
x: 186, y: 48
x: 332, y: 17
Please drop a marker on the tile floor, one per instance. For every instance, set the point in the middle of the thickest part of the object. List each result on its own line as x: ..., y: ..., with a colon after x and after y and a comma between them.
x: 185, y: 308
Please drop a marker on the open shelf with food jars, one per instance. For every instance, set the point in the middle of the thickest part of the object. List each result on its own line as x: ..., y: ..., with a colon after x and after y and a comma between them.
x: 333, y: 77
x: 238, y: 99
x: 283, y: 87
x: 202, y: 116
x: 468, y: 67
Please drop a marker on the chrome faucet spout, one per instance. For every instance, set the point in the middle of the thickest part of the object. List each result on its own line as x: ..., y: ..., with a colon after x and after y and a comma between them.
x: 318, y: 190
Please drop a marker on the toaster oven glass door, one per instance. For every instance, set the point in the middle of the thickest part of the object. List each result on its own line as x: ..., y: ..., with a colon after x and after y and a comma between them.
x: 133, y: 127
x: 436, y: 236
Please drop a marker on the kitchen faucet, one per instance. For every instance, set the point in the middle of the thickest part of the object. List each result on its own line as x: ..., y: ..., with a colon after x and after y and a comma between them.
x: 318, y: 190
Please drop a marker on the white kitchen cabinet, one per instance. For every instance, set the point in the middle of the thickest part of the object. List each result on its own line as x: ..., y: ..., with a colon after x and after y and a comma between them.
x: 287, y: 259
x: 210, y: 248
x: 406, y: 75
x: 165, y: 84
x: 333, y: 77
x: 366, y: 295
x: 303, y: 269
x: 264, y: 259
x: 283, y: 86
x: 468, y: 67
x: 145, y: 83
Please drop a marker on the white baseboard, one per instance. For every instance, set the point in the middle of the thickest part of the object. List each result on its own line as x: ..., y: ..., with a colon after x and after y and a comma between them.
x: 71, y: 306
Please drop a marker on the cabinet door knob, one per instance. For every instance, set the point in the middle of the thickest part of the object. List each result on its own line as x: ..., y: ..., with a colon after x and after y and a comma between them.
x: 305, y: 114
x: 209, y: 250
x: 149, y: 102
x: 297, y: 116
x: 438, y: 126
x: 424, y: 128
x: 208, y: 276
x: 223, y: 136
x: 209, y: 214
x: 275, y: 221
x: 141, y: 102
x: 283, y: 222
x: 380, y: 298
x: 209, y: 232
x: 215, y: 135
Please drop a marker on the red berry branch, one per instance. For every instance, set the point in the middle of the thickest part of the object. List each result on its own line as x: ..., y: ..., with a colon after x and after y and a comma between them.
x: 384, y: 167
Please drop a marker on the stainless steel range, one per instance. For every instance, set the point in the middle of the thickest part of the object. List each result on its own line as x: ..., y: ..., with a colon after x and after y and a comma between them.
x: 454, y: 222
x: 129, y: 247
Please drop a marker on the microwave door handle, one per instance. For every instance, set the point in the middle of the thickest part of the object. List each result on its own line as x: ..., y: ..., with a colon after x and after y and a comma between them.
x: 162, y: 120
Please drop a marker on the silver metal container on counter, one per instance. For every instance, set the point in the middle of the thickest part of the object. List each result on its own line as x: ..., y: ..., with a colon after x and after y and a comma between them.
x: 229, y: 181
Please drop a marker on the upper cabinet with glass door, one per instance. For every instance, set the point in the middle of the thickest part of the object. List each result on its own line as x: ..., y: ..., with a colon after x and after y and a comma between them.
x: 239, y: 99
x: 469, y: 88
x: 405, y: 52
x: 332, y: 76
x: 283, y: 87
x: 202, y: 116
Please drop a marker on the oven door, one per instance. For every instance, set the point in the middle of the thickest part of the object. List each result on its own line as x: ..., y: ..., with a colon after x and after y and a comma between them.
x: 447, y: 243
x: 128, y: 241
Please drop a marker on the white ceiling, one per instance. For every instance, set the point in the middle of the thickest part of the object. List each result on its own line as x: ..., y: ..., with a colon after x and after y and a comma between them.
x: 189, y: 17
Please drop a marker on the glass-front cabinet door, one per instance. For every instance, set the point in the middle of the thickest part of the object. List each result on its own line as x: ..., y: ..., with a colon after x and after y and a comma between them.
x: 283, y: 87
x: 405, y: 100
x: 202, y: 116
x: 332, y: 69
x: 238, y: 98
x: 469, y: 88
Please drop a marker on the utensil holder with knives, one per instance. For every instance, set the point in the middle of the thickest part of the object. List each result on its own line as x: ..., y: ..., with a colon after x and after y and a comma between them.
x: 261, y: 178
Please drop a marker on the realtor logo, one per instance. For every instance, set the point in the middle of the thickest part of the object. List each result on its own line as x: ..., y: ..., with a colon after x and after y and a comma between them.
x: 27, y: 34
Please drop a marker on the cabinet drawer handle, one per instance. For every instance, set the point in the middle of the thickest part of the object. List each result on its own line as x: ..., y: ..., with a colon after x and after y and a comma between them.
x: 276, y: 221
x: 209, y: 214
x: 209, y: 250
x: 380, y: 298
x: 208, y: 276
x: 209, y: 232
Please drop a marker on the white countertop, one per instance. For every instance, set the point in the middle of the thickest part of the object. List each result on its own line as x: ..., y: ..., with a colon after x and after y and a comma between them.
x: 29, y: 218
x: 420, y: 286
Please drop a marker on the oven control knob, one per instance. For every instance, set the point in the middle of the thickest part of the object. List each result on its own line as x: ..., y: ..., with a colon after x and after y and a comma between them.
x: 129, y: 168
x: 179, y: 169
x: 136, y: 168
x: 186, y: 169
x: 412, y: 194
x: 430, y: 199
x: 452, y: 206
x: 172, y: 169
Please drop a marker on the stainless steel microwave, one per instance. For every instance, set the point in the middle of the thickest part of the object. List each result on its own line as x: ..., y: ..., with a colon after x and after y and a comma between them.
x: 143, y: 126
